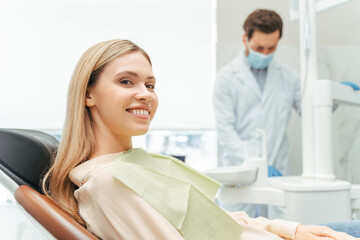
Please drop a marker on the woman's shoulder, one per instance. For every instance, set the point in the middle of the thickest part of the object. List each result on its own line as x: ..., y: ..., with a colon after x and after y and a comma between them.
x: 78, y: 174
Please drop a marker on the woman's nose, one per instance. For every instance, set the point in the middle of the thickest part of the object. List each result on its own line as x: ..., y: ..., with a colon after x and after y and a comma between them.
x: 143, y: 94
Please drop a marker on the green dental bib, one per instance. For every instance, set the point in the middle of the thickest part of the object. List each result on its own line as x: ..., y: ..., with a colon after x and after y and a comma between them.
x: 179, y: 193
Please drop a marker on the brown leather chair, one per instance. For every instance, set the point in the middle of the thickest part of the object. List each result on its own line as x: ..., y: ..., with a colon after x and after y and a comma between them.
x: 24, y: 155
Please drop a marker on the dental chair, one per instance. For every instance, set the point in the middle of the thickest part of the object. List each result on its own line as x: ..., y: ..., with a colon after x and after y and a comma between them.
x: 24, y: 158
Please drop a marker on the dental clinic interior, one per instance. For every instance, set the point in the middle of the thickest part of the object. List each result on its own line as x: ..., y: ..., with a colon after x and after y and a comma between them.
x: 189, y: 43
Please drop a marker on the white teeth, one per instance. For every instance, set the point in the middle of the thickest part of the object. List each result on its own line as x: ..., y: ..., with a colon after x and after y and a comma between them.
x: 140, y: 112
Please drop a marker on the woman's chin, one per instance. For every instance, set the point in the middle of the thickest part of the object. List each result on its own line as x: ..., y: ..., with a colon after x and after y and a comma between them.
x: 140, y: 132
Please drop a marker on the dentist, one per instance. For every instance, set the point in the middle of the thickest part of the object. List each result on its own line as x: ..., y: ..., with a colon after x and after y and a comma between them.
x: 256, y: 91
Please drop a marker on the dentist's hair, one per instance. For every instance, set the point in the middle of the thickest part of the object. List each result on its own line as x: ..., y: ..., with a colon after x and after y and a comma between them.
x: 78, y: 139
x: 263, y: 20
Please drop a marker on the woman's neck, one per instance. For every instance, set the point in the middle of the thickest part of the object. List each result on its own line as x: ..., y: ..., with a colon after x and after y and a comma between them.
x: 110, y: 143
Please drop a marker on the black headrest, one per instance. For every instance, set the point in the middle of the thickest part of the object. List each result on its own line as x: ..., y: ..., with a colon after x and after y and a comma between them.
x: 26, y: 154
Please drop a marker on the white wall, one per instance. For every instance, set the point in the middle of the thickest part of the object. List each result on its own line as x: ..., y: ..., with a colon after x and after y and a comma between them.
x: 42, y: 40
x: 338, y: 50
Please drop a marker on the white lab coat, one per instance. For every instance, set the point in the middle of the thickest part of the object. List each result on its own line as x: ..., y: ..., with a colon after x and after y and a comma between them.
x: 240, y: 108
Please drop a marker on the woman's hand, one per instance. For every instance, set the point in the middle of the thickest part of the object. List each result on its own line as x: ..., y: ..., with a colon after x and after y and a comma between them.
x: 309, y: 232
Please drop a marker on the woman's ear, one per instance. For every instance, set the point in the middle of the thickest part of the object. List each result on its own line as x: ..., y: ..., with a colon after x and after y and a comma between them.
x: 89, y: 101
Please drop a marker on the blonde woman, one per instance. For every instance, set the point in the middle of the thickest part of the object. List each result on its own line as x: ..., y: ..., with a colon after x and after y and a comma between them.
x: 118, y: 192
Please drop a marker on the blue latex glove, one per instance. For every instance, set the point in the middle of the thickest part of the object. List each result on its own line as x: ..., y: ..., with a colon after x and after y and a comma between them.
x: 273, y: 172
x: 351, y: 84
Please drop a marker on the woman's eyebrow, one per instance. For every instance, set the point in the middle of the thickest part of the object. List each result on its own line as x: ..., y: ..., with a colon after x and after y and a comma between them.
x: 128, y: 73
x: 133, y: 74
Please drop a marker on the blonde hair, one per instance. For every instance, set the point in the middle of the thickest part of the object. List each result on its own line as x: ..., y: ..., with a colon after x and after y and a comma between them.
x: 78, y: 140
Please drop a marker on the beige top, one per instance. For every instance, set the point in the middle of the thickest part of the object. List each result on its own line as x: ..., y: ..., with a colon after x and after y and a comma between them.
x: 111, y: 210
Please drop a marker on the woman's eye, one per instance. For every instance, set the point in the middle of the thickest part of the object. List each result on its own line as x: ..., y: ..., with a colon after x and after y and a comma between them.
x: 125, y: 82
x: 150, y: 86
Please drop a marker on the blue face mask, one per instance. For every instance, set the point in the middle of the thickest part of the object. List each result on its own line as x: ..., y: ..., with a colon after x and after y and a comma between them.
x: 258, y: 60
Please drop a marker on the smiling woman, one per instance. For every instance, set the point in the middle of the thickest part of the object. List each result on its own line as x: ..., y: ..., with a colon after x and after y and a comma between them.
x: 96, y: 117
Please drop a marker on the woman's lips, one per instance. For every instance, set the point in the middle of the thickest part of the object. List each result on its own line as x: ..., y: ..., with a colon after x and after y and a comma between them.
x: 139, y: 112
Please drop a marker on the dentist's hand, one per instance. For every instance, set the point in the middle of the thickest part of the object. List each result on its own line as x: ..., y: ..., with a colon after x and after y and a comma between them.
x: 351, y: 84
x: 309, y: 232
x: 273, y: 172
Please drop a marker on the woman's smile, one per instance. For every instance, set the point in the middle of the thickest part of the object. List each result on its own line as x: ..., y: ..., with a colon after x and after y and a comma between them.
x: 142, y: 113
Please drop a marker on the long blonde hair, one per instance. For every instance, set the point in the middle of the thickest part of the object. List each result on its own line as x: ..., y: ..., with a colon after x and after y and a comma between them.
x: 78, y: 139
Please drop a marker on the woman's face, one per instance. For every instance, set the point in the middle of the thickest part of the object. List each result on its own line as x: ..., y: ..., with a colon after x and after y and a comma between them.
x: 123, y: 100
